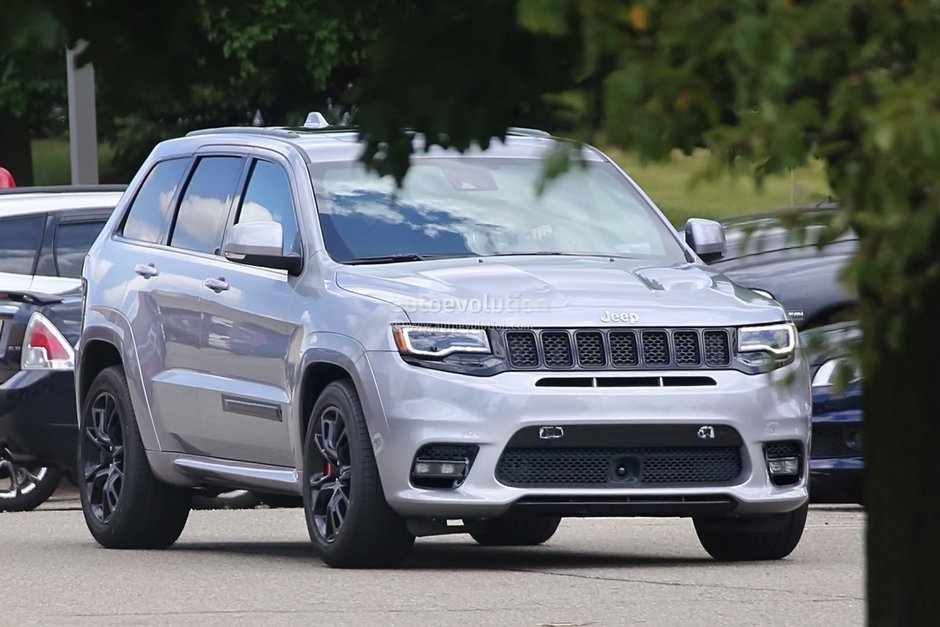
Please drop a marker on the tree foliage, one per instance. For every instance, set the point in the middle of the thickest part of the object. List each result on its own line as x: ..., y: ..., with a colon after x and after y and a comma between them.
x: 163, y: 68
x: 765, y: 86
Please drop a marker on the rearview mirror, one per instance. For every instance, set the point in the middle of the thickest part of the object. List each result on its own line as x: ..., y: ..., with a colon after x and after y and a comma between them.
x: 260, y: 244
x: 706, y: 238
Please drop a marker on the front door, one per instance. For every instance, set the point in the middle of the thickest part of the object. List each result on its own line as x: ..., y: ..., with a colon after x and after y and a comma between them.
x: 249, y: 333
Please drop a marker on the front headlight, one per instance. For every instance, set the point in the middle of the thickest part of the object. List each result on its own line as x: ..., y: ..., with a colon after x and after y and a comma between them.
x: 840, y: 370
x: 439, y: 342
x: 777, y: 339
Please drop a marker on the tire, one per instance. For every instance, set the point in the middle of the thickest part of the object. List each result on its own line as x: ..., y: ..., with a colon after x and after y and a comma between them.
x: 24, y: 487
x: 233, y: 499
x: 514, y: 530
x: 125, y: 505
x: 753, y: 538
x: 350, y: 523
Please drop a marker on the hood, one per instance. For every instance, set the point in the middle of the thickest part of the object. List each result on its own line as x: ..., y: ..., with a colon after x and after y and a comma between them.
x: 561, y: 291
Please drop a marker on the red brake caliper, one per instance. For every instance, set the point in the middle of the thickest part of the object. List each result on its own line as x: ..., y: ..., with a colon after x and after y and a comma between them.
x: 329, y: 470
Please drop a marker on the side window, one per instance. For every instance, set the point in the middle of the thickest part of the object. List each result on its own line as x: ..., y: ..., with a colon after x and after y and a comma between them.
x: 150, y: 212
x: 19, y: 243
x: 72, y: 241
x: 204, y: 209
x: 268, y: 199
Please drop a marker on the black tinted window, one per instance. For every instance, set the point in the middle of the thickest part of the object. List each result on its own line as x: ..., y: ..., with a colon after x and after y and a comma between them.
x: 72, y: 241
x: 19, y: 243
x: 267, y: 199
x: 205, y: 205
x: 150, y: 214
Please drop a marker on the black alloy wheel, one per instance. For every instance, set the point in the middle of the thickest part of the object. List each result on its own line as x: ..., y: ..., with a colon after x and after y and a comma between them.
x: 331, y: 489
x: 103, y: 462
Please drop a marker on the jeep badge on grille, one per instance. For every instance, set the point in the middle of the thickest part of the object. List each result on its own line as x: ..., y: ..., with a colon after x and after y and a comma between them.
x: 619, y: 316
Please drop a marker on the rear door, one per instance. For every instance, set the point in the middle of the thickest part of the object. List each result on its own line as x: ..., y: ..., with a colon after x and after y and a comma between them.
x: 249, y: 330
x: 169, y: 290
x: 68, y: 236
x: 20, y: 238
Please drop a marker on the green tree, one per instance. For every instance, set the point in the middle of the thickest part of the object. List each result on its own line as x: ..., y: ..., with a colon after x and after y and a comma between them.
x: 765, y: 86
x: 32, y: 82
x: 164, y: 68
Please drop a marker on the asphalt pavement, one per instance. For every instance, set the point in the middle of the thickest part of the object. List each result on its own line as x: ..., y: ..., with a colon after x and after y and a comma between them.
x: 256, y: 567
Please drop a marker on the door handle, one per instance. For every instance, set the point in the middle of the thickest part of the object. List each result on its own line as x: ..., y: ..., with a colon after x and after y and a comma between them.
x: 216, y: 285
x: 147, y: 271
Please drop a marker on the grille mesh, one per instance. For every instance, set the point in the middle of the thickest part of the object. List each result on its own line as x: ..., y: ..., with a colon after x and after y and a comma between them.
x: 578, y: 466
x: 623, y: 348
x: 655, y: 348
x: 776, y: 450
x: 447, y: 452
x: 557, y: 348
x: 591, y: 348
x: 522, y: 352
x: 717, y: 350
x: 686, y: 348
x: 831, y: 440
x: 618, y: 349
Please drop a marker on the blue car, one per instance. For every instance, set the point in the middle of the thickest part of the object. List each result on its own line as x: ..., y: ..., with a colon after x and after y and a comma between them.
x: 836, y: 461
x: 805, y: 280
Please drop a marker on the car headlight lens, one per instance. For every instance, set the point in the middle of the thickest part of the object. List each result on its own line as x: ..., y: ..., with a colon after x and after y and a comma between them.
x: 832, y: 371
x: 776, y: 339
x: 439, y: 342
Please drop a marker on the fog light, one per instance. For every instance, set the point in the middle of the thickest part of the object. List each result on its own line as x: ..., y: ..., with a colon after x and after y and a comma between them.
x: 444, y: 470
x: 783, y: 466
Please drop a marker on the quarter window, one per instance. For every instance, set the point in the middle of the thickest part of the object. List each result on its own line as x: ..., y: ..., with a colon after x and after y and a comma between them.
x: 19, y: 243
x: 206, y: 203
x: 72, y: 241
x: 149, y: 217
x: 268, y: 199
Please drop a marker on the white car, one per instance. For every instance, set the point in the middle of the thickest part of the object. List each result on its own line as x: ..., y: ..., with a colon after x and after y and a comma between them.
x: 46, y: 231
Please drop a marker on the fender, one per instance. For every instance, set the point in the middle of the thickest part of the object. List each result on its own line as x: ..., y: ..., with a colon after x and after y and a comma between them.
x: 343, y: 351
x: 111, y: 326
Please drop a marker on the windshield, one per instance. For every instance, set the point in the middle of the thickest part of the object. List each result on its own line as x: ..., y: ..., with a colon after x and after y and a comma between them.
x: 478, y: 206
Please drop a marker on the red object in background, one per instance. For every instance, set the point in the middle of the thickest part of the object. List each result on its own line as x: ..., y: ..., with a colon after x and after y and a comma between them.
x: 6, y: 179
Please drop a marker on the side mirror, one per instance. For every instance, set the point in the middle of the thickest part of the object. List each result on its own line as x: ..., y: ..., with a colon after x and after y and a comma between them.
x: 260, y: 244
x: 706, y: 238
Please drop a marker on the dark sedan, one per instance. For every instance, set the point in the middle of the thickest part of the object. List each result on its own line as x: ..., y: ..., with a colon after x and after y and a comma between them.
x: 38, y: 428
x: 803, y: 277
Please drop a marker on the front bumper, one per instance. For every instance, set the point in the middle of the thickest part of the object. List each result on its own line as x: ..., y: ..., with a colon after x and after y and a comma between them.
x: 420, y: 406
x: 37, y: 417
x: 837, y: 464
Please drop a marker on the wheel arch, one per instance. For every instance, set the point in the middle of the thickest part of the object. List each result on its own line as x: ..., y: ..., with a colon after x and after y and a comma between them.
x: 329, y: 357
x: 95, y: 357
x: 316, y: 377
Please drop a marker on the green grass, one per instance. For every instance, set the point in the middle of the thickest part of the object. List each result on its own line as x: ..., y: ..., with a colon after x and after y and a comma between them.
x: 51, y: 161
x: 679, y: 190
x: 676, y: 186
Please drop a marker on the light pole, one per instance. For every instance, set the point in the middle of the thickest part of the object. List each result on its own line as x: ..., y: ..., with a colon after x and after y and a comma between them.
x: 83, y: 125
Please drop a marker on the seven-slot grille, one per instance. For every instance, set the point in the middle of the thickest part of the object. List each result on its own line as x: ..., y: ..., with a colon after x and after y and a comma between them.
x: 618, y: 349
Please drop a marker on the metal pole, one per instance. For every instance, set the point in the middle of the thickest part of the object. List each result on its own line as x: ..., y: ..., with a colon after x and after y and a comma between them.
x: 83, y: 126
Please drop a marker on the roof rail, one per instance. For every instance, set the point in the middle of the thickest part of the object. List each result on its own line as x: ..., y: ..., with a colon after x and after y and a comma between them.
x: 527, y: 132
x: 246, y: 130
x: 63, y: 189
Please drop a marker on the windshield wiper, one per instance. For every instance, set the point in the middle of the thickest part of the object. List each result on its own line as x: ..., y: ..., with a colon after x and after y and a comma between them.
x: 556, y: 253
x: 399, y: 258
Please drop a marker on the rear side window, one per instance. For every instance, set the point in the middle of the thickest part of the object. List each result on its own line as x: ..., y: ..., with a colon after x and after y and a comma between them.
x: 206, y: 202
x: 72, y: 241
x: 150, y: 212
x: 19, y: 243
x: 268, y: 199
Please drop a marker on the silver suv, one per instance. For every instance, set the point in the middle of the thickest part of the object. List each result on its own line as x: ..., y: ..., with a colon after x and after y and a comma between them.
x: 473, y: 352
